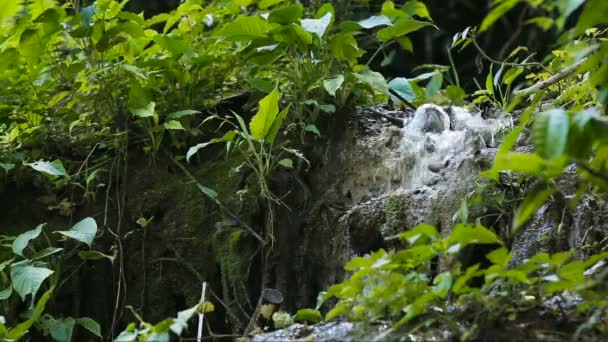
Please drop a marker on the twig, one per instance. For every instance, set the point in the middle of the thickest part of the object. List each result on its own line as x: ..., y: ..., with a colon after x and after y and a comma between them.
x: 219, y: 204
x: 495, y: 61
x: 201, y: 316
x: 557, y: 77
x: 394, y: 120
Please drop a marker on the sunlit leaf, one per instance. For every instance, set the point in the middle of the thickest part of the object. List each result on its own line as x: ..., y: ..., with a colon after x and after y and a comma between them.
x: 262, y: 121
x: 23, y: 240
x: 54, y: 168
x: 83, y: 231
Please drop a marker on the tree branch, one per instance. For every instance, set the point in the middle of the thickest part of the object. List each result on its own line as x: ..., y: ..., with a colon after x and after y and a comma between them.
x: 557, y: 77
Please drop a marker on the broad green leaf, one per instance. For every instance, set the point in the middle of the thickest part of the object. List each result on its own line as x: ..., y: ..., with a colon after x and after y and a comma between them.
x: 229, y: 136
x: 403, y: 87
x: 455, y: 94
x: 182, y: 113
x: 209, y: 192
x: 126, y: 336
x: 27, y: 279
x: 331, y: 85
x: 421, y: 233
x: 46, y: 252
x: 288, y: 163
x: 465, y: 234
x: 61, y: 329
x: 344, y: 46
x: 54, y: 168
x: 262, y: 121
x: 261, y: 85
x: 246, y: 28
x: 8, y: 10
x: 497, y: 13
x: 286, y: 15
x: 276, y: 126
x: 401, y: 27
x: 550, y: 133
x: 264, y: 4
x: 94, y: 255
x: 593, y: 15
x: 312, y: 129
x: 83, y: 231
x: 89, y: 324
x: 443, y: 283
x: 181, y: 322
x: 434, y: 84
x: 308, y: 315
x: 317, y: 26
x: 375, y: 21
x: 489, y: 82
x: 533, y: 201
x: 6, y: 293
x: 145, y: 112
x: 374, y: 79
x: 173, y: 124
x: 23, y: 239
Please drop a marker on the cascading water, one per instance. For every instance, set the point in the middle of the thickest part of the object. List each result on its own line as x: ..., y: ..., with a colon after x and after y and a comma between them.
x: 431, y: 140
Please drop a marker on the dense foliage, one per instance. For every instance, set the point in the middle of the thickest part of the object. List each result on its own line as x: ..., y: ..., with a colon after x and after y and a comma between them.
x: 86, y: 85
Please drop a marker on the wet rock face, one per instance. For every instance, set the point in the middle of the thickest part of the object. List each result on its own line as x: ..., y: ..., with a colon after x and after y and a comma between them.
x: 334, y: 331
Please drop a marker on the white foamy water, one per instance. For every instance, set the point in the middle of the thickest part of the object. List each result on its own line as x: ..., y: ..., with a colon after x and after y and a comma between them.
x: 425, y: 153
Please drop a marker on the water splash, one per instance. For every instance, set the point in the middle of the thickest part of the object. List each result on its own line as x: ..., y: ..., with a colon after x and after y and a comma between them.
x: 425, y: 152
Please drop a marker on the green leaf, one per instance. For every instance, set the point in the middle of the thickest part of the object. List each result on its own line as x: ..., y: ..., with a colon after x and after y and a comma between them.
x: 401, y: 27
x: 422, y: 233
x: 209, y: 192
x: 344, y: 46
x: 94, y: 255
x: 54, y: 168
x: 46, y: 252
x: 490, y: 82
x: 375, y: 21
x: 276, y: 125
x: 182, y: 113
x: 331, y: 85
x: 89, y: 324
x: 61, y: 329
x: 286, y: 15
x: 229, y: 136
x: 288, y: 163
x: 374, y: 79
x: 145, y: 112
x: 262, y: 121
x: 312, y: 129
x: 550, y: 133
x: 83, y: 231
x: 6, y: 293
x: 317, y: 26
x: 264, y: 4
x: 534, y: 200
x: 173, y: 124
x: 455, y: 94
x: 443, y: 283
x: 434, y: 84
x: 465, y: 234
x: 8, y: 10
x: 27, y: 279
x: 246, y: 28
x: 308, y: 315
x: 497, y: 13
x: 593, y: 15
x: 403, y: 87
x: 23, y: 239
